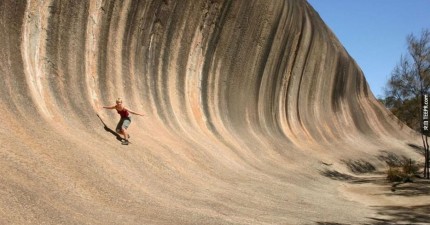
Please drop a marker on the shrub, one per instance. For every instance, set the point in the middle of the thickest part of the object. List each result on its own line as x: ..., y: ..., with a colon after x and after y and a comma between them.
x: 403, y: 172
x: 410, y: 167
x: 394, y: 174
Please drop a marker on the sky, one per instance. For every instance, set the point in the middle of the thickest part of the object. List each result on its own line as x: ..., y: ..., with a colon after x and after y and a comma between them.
x: 374, y: 32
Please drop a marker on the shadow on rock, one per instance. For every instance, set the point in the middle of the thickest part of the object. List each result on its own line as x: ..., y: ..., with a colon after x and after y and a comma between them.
x: 335, y: 175
x: 118, y: 137
x: 356, y: 167
x: 419, y: 187
x: 392, y: 159
x: 402, y: 215
x: 359, y: 166
x: 418, y: 149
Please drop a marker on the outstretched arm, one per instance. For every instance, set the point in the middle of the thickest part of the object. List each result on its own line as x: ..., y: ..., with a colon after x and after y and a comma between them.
x: 135, y: 113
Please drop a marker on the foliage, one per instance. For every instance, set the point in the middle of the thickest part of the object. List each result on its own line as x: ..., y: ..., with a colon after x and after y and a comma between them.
x: 409, y: 80
x: 406, y: 171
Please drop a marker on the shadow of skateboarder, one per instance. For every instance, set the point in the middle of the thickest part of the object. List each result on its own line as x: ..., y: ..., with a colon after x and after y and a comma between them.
x: 118, y: 137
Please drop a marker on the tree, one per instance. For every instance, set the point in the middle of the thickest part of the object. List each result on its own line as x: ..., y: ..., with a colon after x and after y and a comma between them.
x: 409, y: 80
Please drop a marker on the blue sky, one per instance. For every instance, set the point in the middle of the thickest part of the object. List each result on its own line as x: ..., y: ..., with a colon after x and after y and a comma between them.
x: 374, y: 31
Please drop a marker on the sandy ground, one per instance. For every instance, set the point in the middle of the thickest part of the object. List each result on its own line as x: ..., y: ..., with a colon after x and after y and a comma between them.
x: 395, y: 203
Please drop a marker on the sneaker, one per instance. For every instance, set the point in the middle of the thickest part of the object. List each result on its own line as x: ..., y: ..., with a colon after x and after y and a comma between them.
x: 125, y: 142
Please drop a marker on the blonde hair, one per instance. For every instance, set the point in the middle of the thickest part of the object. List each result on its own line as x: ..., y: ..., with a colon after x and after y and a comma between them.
x: 119, y: 100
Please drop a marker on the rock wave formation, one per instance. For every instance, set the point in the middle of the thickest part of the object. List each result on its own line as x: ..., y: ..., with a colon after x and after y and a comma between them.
x: 242, y: 99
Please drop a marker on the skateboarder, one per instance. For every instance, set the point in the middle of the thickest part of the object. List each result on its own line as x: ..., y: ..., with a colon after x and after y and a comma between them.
x: 125, y: 120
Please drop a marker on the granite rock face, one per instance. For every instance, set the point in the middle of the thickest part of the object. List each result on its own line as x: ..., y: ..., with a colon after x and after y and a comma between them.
x: 243, y: 100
